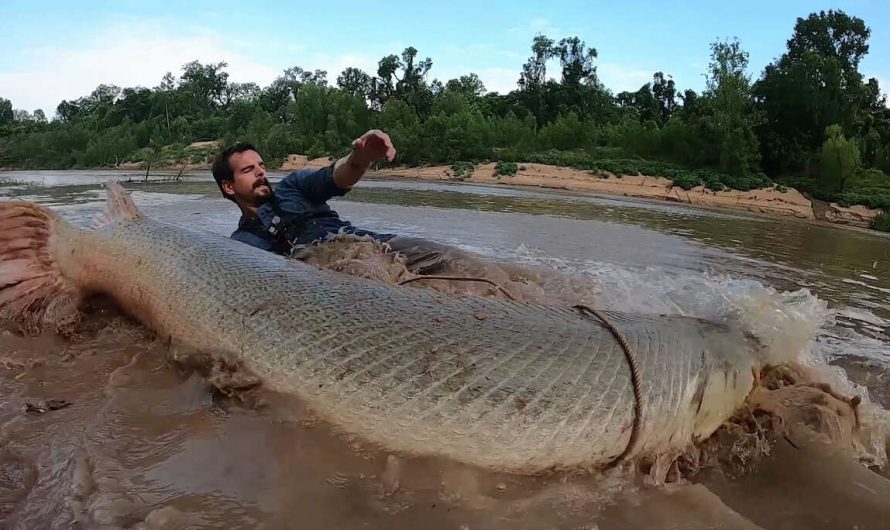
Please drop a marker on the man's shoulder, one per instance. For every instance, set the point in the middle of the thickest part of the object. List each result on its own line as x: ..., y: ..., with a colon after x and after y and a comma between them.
x: 293, y: 182
x: 294, y: 177
x: 252, y: 231
x: 315, y: 185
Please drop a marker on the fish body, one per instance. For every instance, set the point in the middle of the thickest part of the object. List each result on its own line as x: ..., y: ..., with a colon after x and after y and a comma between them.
x: 504, y: 385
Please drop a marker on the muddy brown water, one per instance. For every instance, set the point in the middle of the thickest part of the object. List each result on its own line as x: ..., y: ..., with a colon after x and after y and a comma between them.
x: 100, y: 430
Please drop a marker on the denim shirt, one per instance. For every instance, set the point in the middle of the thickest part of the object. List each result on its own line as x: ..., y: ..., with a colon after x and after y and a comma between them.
x: 302, y: 198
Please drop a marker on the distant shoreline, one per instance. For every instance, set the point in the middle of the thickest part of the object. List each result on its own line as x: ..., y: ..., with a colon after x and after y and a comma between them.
x: 770, y: 201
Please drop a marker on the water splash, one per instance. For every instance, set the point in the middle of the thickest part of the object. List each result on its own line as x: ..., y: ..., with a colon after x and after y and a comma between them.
x: 796, y: 326
x: 787, y: 322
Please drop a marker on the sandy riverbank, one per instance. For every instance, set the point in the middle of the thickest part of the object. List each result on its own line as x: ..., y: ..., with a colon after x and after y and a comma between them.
x: 766, y: 201
x: 769, y: 201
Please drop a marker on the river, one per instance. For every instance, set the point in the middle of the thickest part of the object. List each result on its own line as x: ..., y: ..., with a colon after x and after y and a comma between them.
x: 145, y: 443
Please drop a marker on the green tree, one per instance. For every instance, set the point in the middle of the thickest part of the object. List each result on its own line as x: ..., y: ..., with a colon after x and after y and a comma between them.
x: 286, y: 88
x: 690, y: 107
x: 571, y: 116
x: 566, y: 132
x: 22, y: 116
x: 838, y: 160
x: 6, y: 115
x: 355, y: 82
x: 731, y: 118
x: 665, y: 93
x: 534, y: 71
x: 533, y: 79
x: 205, y: 85
x: 814, y: 84
x: 403, y: 78
x: 832, y: 34
x: 469, y: 86
x: 579, y: 90
x: 404, y: 127
x: 240, y: 92
x: 576, y: 60
x: 643, y: 101
x: 161, y: 98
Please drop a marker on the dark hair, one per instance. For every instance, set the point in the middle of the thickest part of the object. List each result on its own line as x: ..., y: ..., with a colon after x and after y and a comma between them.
x: 221, y: 168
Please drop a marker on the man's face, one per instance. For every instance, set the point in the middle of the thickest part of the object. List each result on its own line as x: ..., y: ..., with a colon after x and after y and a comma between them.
x: 249, y: 186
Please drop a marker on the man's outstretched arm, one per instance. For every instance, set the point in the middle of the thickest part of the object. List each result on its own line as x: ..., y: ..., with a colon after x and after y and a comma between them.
x: 372, y: 146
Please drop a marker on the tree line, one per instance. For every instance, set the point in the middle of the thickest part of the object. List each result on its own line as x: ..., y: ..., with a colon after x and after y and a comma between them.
x: 811, y: 119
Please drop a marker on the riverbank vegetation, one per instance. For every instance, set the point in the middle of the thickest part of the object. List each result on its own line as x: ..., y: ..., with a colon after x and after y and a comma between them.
x: 810, y: 120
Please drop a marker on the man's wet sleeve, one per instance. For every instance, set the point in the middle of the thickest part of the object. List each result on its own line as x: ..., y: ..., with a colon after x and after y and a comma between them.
x: 253, y: 240
x: 316, y: 186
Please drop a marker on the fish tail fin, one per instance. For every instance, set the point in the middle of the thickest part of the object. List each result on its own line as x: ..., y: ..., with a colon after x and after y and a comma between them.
x: 119, y: 206
x: 34, y: 294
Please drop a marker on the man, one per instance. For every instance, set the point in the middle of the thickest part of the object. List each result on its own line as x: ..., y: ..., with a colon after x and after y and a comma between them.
x: 295, y: 214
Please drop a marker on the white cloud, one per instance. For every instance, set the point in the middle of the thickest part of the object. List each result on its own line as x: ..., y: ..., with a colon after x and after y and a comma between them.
x: 501, y: 80
x: 495, y: 78
x: 618, y: 77
x: 483, y: 51
x: 123, y: 55
x: 543, y: 25
x: 335, y: 64
x: 139, y: 53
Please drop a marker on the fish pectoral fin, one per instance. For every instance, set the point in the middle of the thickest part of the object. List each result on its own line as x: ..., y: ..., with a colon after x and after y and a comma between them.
x: 224, y: 370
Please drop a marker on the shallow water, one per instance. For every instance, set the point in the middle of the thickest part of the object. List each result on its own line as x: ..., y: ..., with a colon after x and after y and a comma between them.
x: 146, y: 444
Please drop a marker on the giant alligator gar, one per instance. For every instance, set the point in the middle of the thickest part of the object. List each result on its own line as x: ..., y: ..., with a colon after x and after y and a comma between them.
x: 504, y: 385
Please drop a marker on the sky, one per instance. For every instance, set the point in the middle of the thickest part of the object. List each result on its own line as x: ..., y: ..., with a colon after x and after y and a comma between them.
x: 55, y: 50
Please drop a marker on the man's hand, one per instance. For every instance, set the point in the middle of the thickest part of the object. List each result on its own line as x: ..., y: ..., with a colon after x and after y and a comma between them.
x: 370, y: 147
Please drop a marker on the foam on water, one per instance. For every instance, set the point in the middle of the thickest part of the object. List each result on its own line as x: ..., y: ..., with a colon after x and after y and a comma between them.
x: 866, y: 285
x: 796, y: 326
x: 787, y: 322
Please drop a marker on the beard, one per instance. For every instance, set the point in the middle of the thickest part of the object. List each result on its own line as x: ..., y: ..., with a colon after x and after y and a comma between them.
x: 259, y: 194
x: 260, y: 183
x: 262, y: 191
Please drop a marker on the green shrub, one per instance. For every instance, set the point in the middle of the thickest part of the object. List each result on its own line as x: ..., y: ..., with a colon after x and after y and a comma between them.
x: 680, y: 176
x: 872, y: 198
x: 687, y: 180
x: 882, y: 221
x: 462, y: 168
x: 869, y: 178
x: 868, y: 187
x: 505, y: 168
x: 316, y: 151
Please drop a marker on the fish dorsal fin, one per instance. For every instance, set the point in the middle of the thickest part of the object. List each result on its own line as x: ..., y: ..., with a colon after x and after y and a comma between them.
x: 118, y: 207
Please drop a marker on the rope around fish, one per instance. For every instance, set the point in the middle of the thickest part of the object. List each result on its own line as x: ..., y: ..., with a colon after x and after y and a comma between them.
x: 629, y: 355
x: 635, y: 380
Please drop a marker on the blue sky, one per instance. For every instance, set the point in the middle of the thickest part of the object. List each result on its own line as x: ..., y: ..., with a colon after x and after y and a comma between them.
x: 54, y: 50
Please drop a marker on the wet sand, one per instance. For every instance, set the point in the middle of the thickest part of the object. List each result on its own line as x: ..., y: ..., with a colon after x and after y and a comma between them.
x: 148, y: 444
